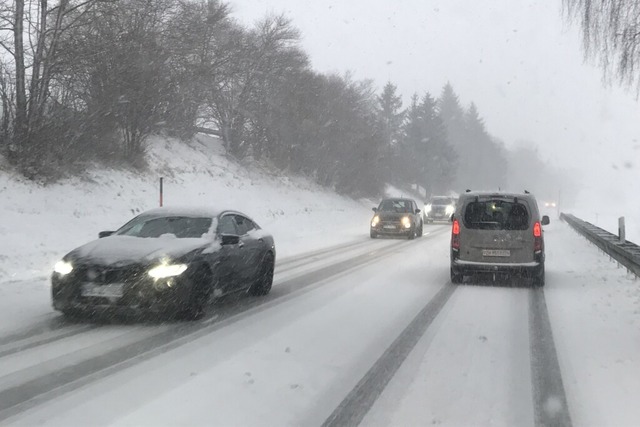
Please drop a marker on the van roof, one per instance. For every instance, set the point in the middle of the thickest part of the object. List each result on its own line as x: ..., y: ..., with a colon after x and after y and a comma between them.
x: 500, y: 194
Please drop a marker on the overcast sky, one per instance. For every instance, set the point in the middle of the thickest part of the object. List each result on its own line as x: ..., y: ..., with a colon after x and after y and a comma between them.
x: 517, y: 60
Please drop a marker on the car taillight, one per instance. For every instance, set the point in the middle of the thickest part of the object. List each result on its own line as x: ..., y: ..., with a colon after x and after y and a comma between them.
x: 455, y: 235
x: 537, y: 237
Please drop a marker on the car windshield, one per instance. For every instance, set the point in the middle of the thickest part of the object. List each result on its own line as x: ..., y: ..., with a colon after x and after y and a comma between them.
x: 496, y: 215
x: 399, y: 206
x: 441, y: 201
x: 179, y: 226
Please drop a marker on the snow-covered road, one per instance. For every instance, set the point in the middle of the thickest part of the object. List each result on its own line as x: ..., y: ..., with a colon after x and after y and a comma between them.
x: 371, y: 331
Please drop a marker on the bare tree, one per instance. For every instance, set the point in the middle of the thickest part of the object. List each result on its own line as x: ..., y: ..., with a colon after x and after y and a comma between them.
x: 611, y: 34
x: 36, y: 27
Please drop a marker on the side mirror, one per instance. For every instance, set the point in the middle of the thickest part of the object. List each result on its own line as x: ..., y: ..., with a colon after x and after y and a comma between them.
x: 374, y: 209
x: 229, y: 239
x: 418, y: 211
x: 105, y: 234
x: 545, y: 220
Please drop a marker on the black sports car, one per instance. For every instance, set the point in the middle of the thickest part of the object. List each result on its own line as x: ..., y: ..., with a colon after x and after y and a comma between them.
x: 166, y: 260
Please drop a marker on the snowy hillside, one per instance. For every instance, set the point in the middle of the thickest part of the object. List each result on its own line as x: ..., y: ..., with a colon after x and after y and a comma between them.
x: 41, y: 223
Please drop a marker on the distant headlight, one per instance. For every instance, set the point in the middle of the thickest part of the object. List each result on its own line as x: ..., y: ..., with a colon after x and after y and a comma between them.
x: 406, y: 222
x: 63, y: 268
x: 427, y: 208
x: 375, y: 221
x: 450, y: 209
x: 167, y: 270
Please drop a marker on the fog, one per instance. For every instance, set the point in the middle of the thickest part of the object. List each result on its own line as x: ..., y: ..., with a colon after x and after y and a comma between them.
x: 521, y: 63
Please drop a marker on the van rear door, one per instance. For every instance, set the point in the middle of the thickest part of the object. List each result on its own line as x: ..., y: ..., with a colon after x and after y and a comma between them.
x: 496, y: 229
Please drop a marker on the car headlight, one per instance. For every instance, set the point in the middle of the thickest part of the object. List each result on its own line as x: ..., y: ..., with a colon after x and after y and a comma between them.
x: 63, y: 267
x: 450, y: 209
x: 375, y: 221
x: 167, y: 270
x: 427, y: 208
x: 406, y: 222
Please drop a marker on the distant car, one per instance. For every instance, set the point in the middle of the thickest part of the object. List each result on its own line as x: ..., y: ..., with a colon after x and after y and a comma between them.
x: 166, y: 260
x: 498, y: 233
x: 549, y: 204
x: 397, y: 217
x: 439, y: 208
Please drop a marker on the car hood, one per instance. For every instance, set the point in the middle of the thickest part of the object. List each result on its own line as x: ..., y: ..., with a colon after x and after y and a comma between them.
x: 125, y: 250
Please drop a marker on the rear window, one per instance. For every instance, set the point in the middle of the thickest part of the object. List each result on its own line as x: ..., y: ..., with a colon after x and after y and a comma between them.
x: 496, y: 215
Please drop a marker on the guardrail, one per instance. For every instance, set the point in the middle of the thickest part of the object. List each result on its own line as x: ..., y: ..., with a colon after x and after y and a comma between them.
x: 626, y: 253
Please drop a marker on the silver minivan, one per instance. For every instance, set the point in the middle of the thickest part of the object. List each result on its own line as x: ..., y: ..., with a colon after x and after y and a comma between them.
x: 499, y: 233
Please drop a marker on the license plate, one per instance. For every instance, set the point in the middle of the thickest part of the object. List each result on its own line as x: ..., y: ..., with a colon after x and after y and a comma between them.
x: 496, y: 252
x: 113, y: 290
x: 391, y: 227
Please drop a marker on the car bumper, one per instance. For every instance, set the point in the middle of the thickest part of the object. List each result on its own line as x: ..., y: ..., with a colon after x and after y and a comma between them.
x: 470, y: 267
x: 437, y: 217
x: 396, y: 231
x: 138, y: 297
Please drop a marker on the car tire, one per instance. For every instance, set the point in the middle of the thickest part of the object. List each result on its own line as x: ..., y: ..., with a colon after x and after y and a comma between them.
x: 264, y: 279
x: 373, y: 234
x: 201, y: 287
x: 412, y: 233
x: 456, y: 277
x: 538, y: 278
x: 71, y: 314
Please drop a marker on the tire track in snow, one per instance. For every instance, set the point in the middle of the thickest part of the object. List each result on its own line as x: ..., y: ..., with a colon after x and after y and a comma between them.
x: 549, y: 398
x: 357, y: 403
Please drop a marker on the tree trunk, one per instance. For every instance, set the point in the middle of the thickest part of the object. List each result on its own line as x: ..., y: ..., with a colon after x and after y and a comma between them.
x: 20, y: 124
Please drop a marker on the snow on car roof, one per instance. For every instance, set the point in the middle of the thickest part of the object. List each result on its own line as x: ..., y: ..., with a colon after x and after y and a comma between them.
x: 200, y: 211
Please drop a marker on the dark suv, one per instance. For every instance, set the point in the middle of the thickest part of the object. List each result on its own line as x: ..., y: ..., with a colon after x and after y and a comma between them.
x: 498, y: 233
x: 397, y: 216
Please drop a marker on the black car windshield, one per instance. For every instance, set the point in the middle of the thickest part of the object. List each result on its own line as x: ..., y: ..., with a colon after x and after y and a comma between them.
x: 399, y: 206
x: 496, y: 215
x: 179, y: 226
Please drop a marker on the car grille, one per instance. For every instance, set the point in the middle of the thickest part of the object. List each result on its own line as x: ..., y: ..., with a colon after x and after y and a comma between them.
x: 109, y: 275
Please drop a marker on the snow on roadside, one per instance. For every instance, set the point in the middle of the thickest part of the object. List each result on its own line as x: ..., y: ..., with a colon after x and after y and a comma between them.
x: 594, y: 308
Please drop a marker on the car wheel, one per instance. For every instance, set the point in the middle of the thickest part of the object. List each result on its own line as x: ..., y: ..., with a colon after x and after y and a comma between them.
x: 412, y: 233
x: 264, y: 279
x: 538, y: 278
x: 456, y: 277
x: 201, y: 285
x: 71, y: 313
x: 373, y: 234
